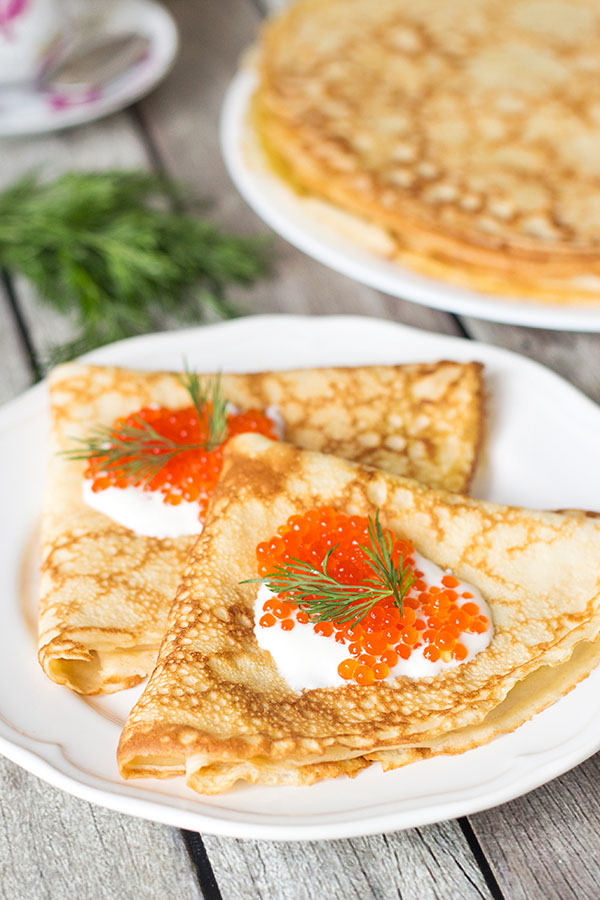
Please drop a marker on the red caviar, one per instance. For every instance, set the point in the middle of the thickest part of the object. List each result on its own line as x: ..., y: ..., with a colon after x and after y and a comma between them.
x: 347, y: 668
x: 431, y: 618
x: 190, y: 475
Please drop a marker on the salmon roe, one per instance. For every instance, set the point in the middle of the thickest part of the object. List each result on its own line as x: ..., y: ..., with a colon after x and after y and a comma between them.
x: 189, y: 475
x: 433, y: 618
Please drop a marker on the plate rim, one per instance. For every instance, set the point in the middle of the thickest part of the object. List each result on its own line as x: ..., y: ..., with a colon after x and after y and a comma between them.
x: 400, y: 282
x: 230, y: 823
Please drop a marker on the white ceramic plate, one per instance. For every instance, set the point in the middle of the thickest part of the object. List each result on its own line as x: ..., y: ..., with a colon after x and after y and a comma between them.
x: 31, y: 111
x: 305, y: 224
x: 542, y: 450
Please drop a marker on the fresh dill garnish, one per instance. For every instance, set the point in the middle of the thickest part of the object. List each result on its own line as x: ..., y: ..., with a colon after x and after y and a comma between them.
x: 325, y: 599
x: 210, y: 404
x: 138, y: 452
x: 115, y: 251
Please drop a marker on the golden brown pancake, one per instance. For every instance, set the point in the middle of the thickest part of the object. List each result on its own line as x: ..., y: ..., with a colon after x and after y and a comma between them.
x: 217, y: 709
x: 468, y: 132
x: 531, y: 695
x: 106, y: 591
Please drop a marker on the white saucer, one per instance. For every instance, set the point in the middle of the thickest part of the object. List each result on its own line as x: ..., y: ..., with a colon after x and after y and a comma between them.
x: 33, y: 111
x: 328, y: 237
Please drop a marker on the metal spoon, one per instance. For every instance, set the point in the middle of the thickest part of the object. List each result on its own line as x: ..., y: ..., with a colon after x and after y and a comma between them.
x: 92, y: 62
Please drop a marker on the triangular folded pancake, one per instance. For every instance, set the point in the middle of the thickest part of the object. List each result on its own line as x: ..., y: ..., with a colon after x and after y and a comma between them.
x: 106, y: 591
x: 216, y: 706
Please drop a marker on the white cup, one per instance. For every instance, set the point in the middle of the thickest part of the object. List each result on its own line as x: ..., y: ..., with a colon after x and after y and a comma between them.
x: 31, y: 33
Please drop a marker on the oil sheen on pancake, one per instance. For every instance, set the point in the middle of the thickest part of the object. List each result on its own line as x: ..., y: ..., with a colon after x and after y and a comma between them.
x: 217, y: 709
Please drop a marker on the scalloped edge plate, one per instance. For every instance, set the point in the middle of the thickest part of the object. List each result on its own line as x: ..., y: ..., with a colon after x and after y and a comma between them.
x: 70, y: 741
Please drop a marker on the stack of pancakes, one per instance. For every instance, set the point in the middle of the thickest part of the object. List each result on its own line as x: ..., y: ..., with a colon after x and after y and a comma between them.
x: 468, y: 132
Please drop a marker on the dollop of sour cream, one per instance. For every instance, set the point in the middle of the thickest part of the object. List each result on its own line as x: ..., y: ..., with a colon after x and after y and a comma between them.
x: 145, y: 512
x: 309, y: 661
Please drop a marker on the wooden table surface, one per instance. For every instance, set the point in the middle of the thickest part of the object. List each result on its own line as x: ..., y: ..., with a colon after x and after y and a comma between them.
x: 545, y: 845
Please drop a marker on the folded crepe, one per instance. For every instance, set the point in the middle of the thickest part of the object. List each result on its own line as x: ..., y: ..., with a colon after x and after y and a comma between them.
x: 106, y: 591
x: 216, y: 707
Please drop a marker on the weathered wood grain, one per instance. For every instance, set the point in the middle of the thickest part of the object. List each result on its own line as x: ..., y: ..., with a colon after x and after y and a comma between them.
x: 54, y: 846
x: 413, y: 865
x: 547, y: 844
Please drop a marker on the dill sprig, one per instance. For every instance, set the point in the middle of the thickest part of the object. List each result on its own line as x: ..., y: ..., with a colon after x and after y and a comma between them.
x: 139, y: 452
x: 115, y: 251
x: 325, y: 599
x: 210, y: 404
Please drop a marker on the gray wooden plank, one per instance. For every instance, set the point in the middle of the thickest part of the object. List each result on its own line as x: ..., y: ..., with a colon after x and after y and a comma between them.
x: 547, y: 844
x: 55, y: 846
x: 422, y: 864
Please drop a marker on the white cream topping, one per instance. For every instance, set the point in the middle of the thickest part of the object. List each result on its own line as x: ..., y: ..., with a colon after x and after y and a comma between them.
x: 145, y: 512
x: 308, y: 661
x: 305, y: 659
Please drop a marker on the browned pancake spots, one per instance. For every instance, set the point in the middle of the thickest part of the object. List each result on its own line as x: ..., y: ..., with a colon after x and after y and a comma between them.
x: 225, y: 693
x: 99, y: 579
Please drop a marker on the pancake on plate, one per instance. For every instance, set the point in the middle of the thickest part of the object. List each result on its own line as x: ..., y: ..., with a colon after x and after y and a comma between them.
x: 106, y: 590
x: 468, y: 133
x: 220, y: 707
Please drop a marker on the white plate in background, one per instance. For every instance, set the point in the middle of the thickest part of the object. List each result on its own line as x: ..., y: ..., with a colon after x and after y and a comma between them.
x: 304, y: 223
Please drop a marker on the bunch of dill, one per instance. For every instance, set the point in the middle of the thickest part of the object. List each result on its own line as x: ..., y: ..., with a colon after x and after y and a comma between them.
x: 115, y: 251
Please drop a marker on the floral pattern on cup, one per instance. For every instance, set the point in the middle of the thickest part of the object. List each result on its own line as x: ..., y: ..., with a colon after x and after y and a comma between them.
x: 10, y: 10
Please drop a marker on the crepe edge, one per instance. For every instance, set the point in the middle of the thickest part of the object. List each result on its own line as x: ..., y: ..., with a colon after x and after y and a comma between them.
x: 213, y: 777
x: 92, y: 662
x: 187, y: 740
x: 583, y: 669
